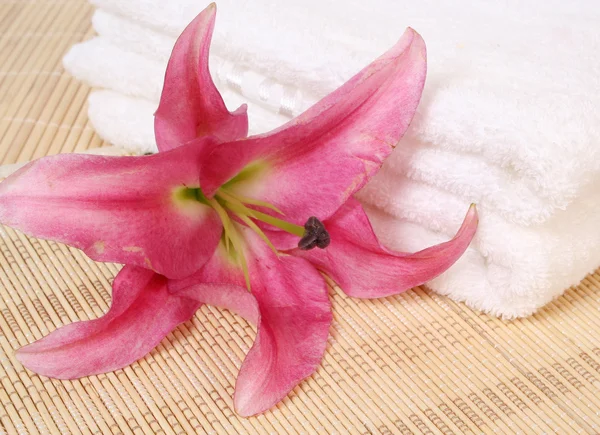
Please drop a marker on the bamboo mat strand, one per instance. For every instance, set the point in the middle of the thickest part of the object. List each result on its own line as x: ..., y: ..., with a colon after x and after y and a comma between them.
x: 416, y: 363
x: 45, y: 91
x: 42, y: 109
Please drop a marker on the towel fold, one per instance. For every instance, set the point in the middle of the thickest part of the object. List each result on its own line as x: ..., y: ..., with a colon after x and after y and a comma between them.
x: 507, y: 119
x: 525, y: 67
x: 459, y: 172
x: 533, y: 265
x: 135, y: 75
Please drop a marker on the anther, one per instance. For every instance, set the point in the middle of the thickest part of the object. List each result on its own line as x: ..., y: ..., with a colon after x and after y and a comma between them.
x: 315, y: 235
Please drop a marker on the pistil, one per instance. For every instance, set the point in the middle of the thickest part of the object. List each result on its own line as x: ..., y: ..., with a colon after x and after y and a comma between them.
x: 231, y: 238
x: 315, y: 236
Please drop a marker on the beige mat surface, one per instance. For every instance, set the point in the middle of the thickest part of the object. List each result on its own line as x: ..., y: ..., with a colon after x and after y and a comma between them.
x: 415, y: 363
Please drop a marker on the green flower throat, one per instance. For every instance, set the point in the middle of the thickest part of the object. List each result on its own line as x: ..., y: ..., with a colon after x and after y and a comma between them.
x: 233, y: 208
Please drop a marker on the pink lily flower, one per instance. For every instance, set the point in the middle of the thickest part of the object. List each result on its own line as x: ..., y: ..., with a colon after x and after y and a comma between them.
x: 215, y: 214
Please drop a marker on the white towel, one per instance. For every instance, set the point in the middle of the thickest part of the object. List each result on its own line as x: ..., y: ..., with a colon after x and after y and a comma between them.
x: 460, y: 172
x: 103, y: 64
x: 507, y: 118
x: 524, y: 66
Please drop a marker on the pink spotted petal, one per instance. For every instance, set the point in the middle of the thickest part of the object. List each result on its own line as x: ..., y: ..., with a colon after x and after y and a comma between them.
x: 142, y: 313
x: 313, y: 164
x: 190, y: 104
x: 290, y: 305
x: 117, y: 209
x: 363, y: 268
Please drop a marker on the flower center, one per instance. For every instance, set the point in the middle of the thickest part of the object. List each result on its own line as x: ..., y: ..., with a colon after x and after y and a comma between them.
x: 233, y: 208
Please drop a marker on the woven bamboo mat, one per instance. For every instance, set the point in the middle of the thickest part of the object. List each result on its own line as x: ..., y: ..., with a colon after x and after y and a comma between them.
x: 415, y: 363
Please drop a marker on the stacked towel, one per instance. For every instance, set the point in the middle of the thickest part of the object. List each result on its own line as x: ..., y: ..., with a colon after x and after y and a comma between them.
x: 508, y: 120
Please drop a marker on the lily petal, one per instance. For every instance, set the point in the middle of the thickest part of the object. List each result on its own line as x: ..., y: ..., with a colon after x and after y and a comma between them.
x: 190, y: 104
x: 142, y: 313
x: 290, y: 305
x: 313, y: 164
x: 363, y: 268
x: 117, y: 209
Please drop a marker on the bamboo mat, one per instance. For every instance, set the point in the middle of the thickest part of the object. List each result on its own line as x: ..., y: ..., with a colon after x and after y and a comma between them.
x: 415, y: 363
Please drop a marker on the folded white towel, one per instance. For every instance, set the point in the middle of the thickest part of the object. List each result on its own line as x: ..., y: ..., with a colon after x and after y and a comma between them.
x: 522, y: 66
x: 133, y: 74
x: 506, y: 119
x: 554, y: 174
x: 122, y: 120
x: 105, y: 65
x: 124, y: 33
x: 121, y: 33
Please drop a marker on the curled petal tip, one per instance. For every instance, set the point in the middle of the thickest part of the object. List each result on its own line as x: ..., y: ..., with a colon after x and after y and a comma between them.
x: 469, y: 226
x: 243, y: 407
x: 414, y: 32
x: 417, y: 39
x: 473, y: 212
x: 411, y: 30
x: 19, y: 355
x: 211, y: 11
x: 28, y: 358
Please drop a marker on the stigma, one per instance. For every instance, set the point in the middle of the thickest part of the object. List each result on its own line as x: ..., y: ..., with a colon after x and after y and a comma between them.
x: 315, y: 235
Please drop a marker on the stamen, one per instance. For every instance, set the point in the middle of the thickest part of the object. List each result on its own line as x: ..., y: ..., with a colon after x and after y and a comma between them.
x: 238, y: 207
x: 246, y: 200
x: 227, y: 225
x: 316, y: 236
x: 231, y: 236
x: 243, y: 262
x: 258, y: 231
x: 297, y: 230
